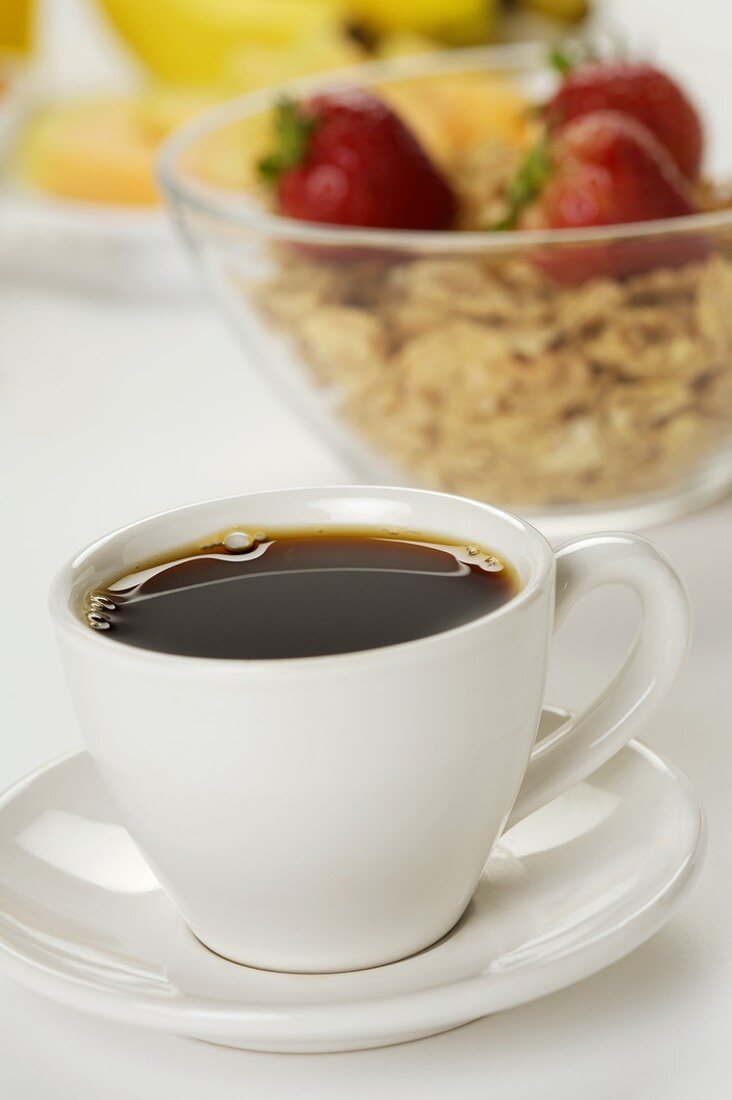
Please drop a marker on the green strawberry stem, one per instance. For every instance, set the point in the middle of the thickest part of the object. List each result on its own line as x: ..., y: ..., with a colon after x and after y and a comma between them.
x: 565, y: 56
x: 527, y: 184
x: 292, y: 130
x: 560, y: 59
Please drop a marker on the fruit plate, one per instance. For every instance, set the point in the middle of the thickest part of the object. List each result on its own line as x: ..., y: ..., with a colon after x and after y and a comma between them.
x: 85, y: 246
x: 115, y: 249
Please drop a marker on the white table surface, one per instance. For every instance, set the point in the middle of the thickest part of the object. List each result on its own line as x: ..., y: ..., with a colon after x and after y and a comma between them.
x: 111, y: 410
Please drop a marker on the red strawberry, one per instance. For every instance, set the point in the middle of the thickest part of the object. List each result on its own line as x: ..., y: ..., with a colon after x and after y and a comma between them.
x: 636, y: 89
x: 604, y: 169
x: 345, y: 158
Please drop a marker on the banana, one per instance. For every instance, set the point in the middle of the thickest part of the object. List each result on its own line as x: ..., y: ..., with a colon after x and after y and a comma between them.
x: 199, y: 41
x: 569, y: 10
x: 441, y: 18
x: 16, y: 25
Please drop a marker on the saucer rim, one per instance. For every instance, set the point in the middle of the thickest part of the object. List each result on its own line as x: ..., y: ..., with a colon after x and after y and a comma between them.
x: 420, y: 1012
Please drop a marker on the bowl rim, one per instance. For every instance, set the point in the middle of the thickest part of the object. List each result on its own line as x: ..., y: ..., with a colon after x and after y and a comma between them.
x: 238, y: 210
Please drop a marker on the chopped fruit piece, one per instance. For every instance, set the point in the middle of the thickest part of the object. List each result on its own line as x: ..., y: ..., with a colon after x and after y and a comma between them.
x: 103, y: 149
x: 636, y: 89
x: 345, y: 158
x: 93, y: 150
x: 452, y: 113
x: 602, y: 169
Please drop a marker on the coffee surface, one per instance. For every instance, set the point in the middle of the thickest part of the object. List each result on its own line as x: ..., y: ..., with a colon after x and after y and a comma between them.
x: 301, y: 594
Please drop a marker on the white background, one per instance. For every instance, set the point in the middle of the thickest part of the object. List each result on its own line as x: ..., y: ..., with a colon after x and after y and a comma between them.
x: 110, y: 410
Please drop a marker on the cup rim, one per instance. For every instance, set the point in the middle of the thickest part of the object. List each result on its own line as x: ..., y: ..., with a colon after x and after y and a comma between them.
x: 237, y: 210
x: 68, y: 621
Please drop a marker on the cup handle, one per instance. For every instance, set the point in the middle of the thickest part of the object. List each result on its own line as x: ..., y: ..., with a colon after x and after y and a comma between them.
x: 653, y: 664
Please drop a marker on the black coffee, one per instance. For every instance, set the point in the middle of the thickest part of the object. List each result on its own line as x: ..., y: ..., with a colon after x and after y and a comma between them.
x: 300, y: 594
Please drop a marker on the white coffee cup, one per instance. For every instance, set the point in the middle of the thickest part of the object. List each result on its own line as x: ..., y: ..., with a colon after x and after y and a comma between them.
x: 333, y: 813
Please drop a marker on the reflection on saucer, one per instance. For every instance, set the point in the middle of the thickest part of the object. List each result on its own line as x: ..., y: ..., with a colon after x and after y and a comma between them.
x: 93, y: 851
x: 572, y: 815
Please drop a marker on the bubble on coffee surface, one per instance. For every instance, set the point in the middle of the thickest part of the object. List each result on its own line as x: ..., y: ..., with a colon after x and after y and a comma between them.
x: 490, y: 563
x: 98, y: 613
x: 100, y: 602
x: 238, y: 541
x: 97, y: 621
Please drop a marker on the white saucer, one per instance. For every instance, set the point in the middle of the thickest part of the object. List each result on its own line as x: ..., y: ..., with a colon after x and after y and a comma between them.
x: 564, y: 893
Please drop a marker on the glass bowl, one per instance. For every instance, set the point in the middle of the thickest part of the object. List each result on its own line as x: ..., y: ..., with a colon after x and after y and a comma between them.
x: 456, y: 360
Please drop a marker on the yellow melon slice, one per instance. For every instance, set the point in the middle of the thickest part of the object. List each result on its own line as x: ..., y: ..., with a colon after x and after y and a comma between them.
x: 103, y: 149
x: 452, y: 113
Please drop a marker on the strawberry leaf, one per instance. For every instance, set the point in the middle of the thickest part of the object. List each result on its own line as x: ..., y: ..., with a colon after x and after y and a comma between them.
x: 292, y: 131
x: 527, y: 184
x: 565, y: 56
x: 560, y: 59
